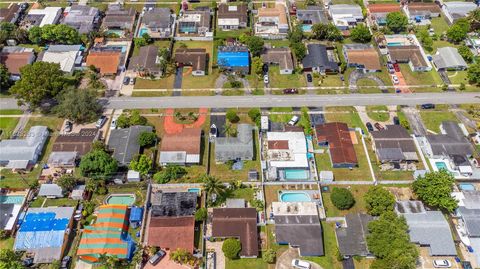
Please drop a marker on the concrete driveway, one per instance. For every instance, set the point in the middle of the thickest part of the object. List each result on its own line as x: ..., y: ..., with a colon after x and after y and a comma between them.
x: 426, y: 261
x: 165, y: 263
x: 285, y: 260
x: 177, y: 84
x: 219, y: 121
x: 416, y: 123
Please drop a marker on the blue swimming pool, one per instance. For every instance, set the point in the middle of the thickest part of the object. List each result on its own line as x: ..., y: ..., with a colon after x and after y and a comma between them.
x: 11, y: 199
x: 142, y: 31
x: 466, y: 187
x: 295, y: 197
x: 306, y: 27
x: 309, y: 139
x: 197, y: 190
x: 441, y: 165
x: 296, y: 174
x: 395, y: 44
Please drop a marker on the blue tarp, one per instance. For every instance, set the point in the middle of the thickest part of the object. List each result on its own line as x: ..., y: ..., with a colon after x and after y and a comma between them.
x: 233, y: 58
x: 136, y: 214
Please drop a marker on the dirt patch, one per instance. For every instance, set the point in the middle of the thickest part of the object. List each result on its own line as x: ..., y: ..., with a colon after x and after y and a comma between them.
x: 401, y: 193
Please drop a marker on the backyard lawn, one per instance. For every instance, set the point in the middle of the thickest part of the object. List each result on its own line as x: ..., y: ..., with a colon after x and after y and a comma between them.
x: 433, y: 119
x: 329, y: 261
x: 378, y: 113
x: 358, y: 192
x: 61, y: 202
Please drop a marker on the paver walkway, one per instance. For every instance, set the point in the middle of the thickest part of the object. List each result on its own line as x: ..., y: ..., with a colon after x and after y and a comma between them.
x: 171, y: 127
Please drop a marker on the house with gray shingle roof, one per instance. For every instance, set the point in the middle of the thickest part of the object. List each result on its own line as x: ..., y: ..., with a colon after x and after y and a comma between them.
x: 320, y: 60
x: 468, y: 216
x: 352, y: 237
x: 157, y: 23
x: 235, y: 148
x: 457, y: 10
x: 124, y: 143
x: 82, y: 18
x: 448, y: 58
x: 23, y: 153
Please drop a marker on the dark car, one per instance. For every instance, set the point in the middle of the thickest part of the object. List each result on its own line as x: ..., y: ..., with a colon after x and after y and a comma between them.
x: 265, y: 68
x: 396, y: 121
x: 290, y: 91
x: 155, y: 259
x: 23, y: 6
x: 466, y: 265
x: 396, y: 67
x: 428, y: 106
x: 369, y: 127
x: 309, y: 78
x: 65, y: 262
x: 27, y: 262
x: 378, y: 126
x: 126, y: 80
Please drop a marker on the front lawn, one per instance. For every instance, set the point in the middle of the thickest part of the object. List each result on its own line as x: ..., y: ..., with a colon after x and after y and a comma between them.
x: 378, y: 113
x: 163, y: 83
x: 433, y: 119
x: 244, y: 263
x: 420, y: 78
x: 347, y: 115
x: 287, y: 113
x: 7, y: 125
x: 277, y: 80
x: 199, y: 82
x: 358, y: 192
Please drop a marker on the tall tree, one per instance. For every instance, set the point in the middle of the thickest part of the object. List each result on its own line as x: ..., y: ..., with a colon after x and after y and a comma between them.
x: 361, y: 34
x: 98, y: 164
x: 397, y: 22
x: 80, y: 106
x: 378, y: 200
x: 4, y: 78
x: 257, y: 65
x: 10, y: 259
x: 67, y: 182
x: 212, y: 185
x: 143, y: 164
x: 466, y: 53
x: 473, y: 73
x: 39, y: 81
x: 254, y: 44
x: 458, y: 31
x: 474, y: 19
x: 326, y: 32
x: 435, y: 188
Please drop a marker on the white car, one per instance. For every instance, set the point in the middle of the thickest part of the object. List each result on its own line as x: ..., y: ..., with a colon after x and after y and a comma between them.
x: 442, y: 264
x: 300, y: 264
x: 395, y: 79
x: 293, y: 120
x: 265, y: 79
x: 113, y: 124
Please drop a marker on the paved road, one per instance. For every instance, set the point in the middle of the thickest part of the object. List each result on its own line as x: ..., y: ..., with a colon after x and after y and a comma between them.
x: 278, y: 101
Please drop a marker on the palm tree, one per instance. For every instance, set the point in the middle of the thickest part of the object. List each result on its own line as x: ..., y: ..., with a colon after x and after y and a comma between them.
x: 474, y: 19
x: 213, y: 186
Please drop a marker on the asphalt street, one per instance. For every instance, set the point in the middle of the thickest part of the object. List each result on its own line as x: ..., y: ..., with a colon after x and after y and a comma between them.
x: 278, y: 101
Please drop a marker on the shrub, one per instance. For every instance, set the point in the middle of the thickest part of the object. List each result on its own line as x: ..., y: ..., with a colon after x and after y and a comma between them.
x: 342, y: 198
x: 378, y: 200
x: 232, y: 116
x: 201, y: 214
x: 269, y: 256
x: 146, y: 139
x: 231, y: 247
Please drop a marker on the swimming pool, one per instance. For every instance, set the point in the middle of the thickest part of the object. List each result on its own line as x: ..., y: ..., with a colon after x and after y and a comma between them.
x: 306, y: 27
x: 142, y: 31
x: 441, y: 165
x: 294, y: 197
x: 394, y: 44
x: 466, y: 187
x: 11, y: 199
x: 197, y: 190
x: 120, y: 199
x: 296, y: 174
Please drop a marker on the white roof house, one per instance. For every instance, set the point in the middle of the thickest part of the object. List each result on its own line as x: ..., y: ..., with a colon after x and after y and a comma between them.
x: 19, y: 153
x: 68, y: 56
x: 50, y: 191
x: 287, y: 150
x: 344, y: 16
x: 51, y: 15
x: 456, y: 10
x: 294, y: 208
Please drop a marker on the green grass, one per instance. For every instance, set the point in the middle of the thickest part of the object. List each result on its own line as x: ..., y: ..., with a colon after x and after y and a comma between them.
x: 358, y: 192
x: 439, y: 25
x: 232, y: 92
x: 246, y: 193
x: 163, y: 83
x: 281, y: 117
x: 401, y: 117
x: 11, y: 112
x: 219, y: 34
x: 328, y: 261
x: 420, y: 78
x: 200, y: 82
x: 351, y: 118
x: 433, y: 119
x: 7, y: 125
x: 378, y: 113
x: 258, y: 92
x: 37, y: 202
x: 285, y: 81
x: 457, y: 77
x: 7, y: 243
x: 249, y: 263
x: 151, y: 94
x: 61, y: 202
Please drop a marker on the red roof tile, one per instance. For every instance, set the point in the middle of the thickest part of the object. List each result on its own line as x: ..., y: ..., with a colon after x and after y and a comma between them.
x: 172, y: 232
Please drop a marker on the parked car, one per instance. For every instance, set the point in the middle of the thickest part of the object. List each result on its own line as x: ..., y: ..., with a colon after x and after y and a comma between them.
x: 378, y: 126
x: 396, y: 121
x: 265, y: 79
x: 390, y: 68
x: 293, y: 120
x: 301, y: 264
x: 466, y: 265
x: 290, y: 91
x: 442, y: 264
x: 396, y: 67
x: 68, y: 127
x: 155, y: 259
x: 132, y: 81
x: 113, y: 124
x: 101, y: 121
x: 395, y: 79
x: 126, y: 80
x: 265, y: 69
x: 65, y: 262
x: 428, y: 106
x: 369, y: 127
x: 309, y: 78
x: 27, y: 262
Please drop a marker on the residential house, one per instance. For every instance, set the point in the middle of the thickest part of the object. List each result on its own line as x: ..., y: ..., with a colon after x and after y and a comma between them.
x: 448, y: 58
x: 79, y: 143
x: 345, y: 16
x: 394, y: 144
x: 364, y: 57
x: 11, y: 13
x: 281, y: 57
x: 421, y: 12
x: 297, y: 224
x: 107, y: 236
x: 69, y: 57
x: 8, y: 216
x: 474, y: 44
x: 42, y: 17
x: 413, y: 55
x: 235, y: 148
x: 182, y: 148
x: 119, y: 20
x: 50, y: 191
x: 106, y: 62
x: 172, y: 222
x: 196, y: 22
x: 147, y: 62
x: 124, y: 143
x: 429, y: 229
x: 23, y: 153
x: 456, y: 10
x: 234, y: 59
x: 320, y: 60
x: 286, y: 156
x: 468, y: 219
x: 238, y: 223
x: 310, y: 16
x: 14, y: 58
x: 196, y: 58
x: 157, y: 23
x: 338, y: 138
x: 271, y: 22
x: 352, y: 235
x: 232, y: 17
x: 83, y: 18
x: 44, y: 232
x: 78, y: 193
x: 378, y: 12
x: 58, y: 159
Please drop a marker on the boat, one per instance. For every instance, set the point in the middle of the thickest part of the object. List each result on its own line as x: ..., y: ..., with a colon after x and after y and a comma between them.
x: 462, y: 233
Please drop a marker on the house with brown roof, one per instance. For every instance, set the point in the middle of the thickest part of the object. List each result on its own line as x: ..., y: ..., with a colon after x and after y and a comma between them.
x: 106, y: 62
x: 271, y: 22
x: 11, y: 13
x: 238, y: 223
x: 281, y: 57
x: 146, y: 63
x: 337, y: 137
x: 362, y: 56
x: 421, y: 12
x: 181, y: 148
x: 196, y: 58
x: 80, y: 142
x: 14, y: 58
x: 232, y: 17
x: 413, y: 55
x: 378, y: 12
x: 394, y: 144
